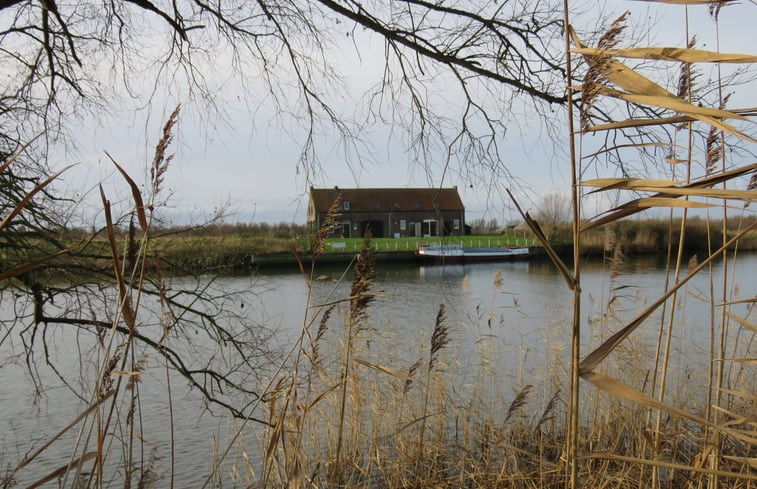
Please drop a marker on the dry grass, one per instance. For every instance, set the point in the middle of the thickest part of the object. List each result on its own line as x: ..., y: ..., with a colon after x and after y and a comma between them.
x: 654, y: 236
x: 708, y: 435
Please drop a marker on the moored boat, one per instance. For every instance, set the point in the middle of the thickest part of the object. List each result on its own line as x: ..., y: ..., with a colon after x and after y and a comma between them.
x: 461, y: 254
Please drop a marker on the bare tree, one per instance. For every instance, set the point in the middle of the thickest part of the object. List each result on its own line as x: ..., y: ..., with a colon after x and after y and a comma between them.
x: 79, y: 57
x: 554, y: 213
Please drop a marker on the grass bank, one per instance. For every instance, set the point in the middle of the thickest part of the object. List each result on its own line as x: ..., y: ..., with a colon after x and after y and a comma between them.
x: 233, y: 250
x: 656, y: 235
x: 237, y: 251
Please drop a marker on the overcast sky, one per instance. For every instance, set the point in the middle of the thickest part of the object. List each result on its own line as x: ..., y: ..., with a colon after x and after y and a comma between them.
x: 251, y: 163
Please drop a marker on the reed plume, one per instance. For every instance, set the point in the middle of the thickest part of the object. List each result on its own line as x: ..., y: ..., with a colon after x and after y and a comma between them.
x: 161, y: 161
x: 714, y: 144
x: 106, y: 379
x: 715, y: 6
x: 409, y: 383
x: 362, y: 280
x: 439, y: 338
x: 518, y: 402
x: 327, y: 226
x: 618, y: 259
x: 137, y: 369
x: 596, y: 75
x: 549, y: 411
x: 322, y: 327
x: 410, y: 376
x: 752, y: 185
x: 686, y: 75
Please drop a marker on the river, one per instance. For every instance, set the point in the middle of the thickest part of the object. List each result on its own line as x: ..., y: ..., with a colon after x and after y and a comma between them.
x: 509, y: 325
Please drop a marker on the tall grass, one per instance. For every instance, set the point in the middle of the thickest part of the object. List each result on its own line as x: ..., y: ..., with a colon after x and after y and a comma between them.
x: 683, y: 186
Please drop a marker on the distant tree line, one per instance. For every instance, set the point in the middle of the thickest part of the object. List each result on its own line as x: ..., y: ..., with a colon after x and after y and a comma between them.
x: 282, y: 230
x: 259, y: 229
x: 485, y: 226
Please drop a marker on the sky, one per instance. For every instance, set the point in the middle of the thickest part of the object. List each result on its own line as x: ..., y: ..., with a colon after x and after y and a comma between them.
x: 247, y: 164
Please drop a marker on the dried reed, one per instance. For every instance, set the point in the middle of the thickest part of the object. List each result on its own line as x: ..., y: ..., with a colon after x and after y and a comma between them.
x: 635, y: 88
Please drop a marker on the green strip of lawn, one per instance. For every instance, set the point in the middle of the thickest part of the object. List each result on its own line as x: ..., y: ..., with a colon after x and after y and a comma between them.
x: 411, y: 244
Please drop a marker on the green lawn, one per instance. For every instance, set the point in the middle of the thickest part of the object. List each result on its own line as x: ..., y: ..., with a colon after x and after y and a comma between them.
x: 410, y: 244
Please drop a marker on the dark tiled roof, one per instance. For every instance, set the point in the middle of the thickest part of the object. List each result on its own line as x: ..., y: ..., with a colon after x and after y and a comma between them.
x: 389, y: 199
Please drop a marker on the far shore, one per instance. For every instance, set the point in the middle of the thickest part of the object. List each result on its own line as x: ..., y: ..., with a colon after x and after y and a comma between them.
x: 239, y: 248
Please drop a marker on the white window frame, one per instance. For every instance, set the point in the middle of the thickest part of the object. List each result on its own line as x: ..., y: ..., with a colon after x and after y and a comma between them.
x: 403, y: 225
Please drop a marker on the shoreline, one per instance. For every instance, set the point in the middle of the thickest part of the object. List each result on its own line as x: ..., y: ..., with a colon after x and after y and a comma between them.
x: 288, y: 258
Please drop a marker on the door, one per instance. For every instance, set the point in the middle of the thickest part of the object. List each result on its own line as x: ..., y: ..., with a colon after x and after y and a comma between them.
x: 430, y: 228
x: 376, y: 227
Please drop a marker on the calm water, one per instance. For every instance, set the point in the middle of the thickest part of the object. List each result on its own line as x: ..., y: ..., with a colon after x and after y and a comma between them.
x: 509, y: 323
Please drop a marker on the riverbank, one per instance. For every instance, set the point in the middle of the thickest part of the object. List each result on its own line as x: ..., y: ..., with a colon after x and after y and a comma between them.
x: 202, y: 251
x: 236, y: 252
x: 206, y: 254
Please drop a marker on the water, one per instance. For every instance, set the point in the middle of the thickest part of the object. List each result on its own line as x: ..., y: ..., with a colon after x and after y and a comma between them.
x: 509, y: 325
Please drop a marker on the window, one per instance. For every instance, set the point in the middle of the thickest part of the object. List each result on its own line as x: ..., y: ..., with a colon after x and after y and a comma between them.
x: 403, y: 225
x: 456, y: 224
x: 416, y: 206
x: 396, y: 205
x: 345, y: 205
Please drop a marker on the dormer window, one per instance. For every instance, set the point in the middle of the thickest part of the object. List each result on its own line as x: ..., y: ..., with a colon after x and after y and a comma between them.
x: 345, y: 205
x: 375, y: 206
x: 396, y: 205
x: 416, y: 206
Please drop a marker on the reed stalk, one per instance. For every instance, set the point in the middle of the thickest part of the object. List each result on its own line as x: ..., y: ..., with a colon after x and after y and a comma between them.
x: 571, y: 449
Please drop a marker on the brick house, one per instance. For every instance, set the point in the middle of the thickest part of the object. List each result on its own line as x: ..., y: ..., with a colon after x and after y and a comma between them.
x: 390, y: 212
